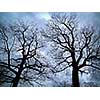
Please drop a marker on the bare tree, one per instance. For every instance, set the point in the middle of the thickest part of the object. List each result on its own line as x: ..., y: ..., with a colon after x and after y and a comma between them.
x: 75, y: 46
x: 20, y: 53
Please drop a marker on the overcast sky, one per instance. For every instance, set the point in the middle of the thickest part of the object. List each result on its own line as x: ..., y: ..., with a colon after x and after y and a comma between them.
x: 42, y: 17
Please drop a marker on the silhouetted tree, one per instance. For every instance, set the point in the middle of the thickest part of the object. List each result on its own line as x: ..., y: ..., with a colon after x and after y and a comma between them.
x: 20, y: 55
x: 75, y: 46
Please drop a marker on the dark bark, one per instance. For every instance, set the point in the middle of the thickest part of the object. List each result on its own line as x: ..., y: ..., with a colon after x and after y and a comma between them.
x: 75, y: 77
x: 16, y: 80
x: 8, y: 58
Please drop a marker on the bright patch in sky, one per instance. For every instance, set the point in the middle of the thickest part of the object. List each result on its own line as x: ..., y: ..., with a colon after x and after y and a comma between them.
x: 45, y: 16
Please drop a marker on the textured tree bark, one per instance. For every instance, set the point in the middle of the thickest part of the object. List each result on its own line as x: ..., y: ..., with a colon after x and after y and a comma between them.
x: 75, y: 77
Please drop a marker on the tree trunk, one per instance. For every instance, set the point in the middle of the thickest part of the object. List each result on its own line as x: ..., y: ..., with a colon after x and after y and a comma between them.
x: 75, y: 77
x: 16, y: 80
